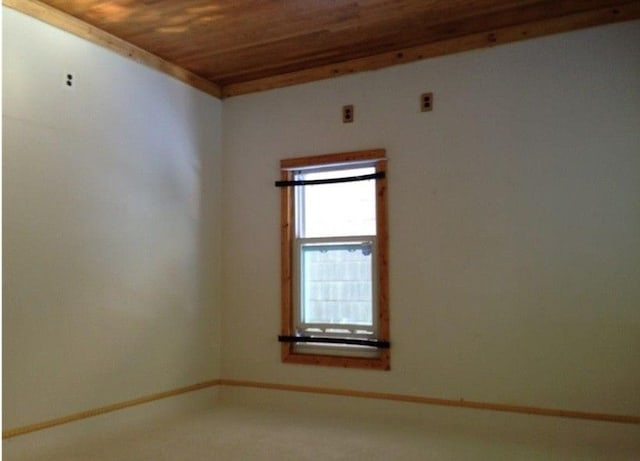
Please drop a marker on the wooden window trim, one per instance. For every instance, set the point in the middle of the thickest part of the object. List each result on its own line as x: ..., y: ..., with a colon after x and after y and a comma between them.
x: 378, y: 158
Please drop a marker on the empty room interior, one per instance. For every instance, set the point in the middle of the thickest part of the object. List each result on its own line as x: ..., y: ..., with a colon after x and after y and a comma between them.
x: 321, y: 229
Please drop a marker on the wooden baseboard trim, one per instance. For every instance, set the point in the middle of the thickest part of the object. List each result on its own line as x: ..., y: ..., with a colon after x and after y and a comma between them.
x: 106, y: 409
x: 522, y: 409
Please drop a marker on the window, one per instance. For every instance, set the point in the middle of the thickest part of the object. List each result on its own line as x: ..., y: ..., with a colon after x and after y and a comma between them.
x: 334, y: 260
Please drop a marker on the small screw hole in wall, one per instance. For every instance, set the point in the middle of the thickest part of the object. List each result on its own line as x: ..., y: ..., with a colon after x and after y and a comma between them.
x: 69, y: 80
x: 426, y: 102
x: 347, y: 114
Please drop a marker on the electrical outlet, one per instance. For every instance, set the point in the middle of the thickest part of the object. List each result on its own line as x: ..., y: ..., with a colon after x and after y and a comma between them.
x: 426, y: 102
x: 347, y: 114
x: 69, y: 81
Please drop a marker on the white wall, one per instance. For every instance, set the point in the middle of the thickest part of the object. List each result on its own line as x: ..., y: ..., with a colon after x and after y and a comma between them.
x: 514, y: 221
x: 112, y: 206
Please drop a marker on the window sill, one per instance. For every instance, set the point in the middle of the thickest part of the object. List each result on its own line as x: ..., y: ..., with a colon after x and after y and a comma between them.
x: 292, y: 354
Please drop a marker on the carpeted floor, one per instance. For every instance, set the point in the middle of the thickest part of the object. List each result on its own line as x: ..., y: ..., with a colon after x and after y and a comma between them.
x: 257, y: 425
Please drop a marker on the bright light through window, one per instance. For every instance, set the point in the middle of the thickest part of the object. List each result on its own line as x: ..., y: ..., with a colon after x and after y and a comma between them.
x: 337, y: 284
x: 339, y: 209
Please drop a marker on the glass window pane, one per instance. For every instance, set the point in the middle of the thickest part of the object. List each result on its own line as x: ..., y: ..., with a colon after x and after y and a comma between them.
x: 336, y: 283
x: 337, y: 210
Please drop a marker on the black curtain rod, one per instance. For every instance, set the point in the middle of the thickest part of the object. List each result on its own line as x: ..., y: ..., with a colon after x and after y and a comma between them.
x: 329, y: 340
x: 313, y: 182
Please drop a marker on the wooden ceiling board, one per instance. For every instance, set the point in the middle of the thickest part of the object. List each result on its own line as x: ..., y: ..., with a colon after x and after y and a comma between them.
x: 630, y: 11
x: 175, y: 30
x: 322, y: 49
x: 232, y: 43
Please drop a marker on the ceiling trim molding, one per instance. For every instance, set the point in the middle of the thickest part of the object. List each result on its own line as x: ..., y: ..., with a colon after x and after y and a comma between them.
x: 75, y: 26
x: 622, y: 11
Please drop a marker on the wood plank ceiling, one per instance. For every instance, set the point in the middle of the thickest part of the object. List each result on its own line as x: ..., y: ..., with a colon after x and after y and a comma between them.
x: 250, y: 45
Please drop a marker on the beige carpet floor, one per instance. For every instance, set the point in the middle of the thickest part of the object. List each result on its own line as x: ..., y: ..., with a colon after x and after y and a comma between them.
x: 277, y: 426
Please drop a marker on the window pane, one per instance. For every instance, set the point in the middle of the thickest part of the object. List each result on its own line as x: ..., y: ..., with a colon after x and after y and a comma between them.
x: 336, y: 210
x: 336, y: 283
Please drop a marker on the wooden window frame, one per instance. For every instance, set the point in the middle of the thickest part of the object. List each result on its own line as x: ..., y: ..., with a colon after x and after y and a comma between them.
x: 376, y: 158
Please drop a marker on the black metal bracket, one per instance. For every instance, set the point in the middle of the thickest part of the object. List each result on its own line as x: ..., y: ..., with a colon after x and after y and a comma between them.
x: 313, y: 182
x: 329, y: 340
